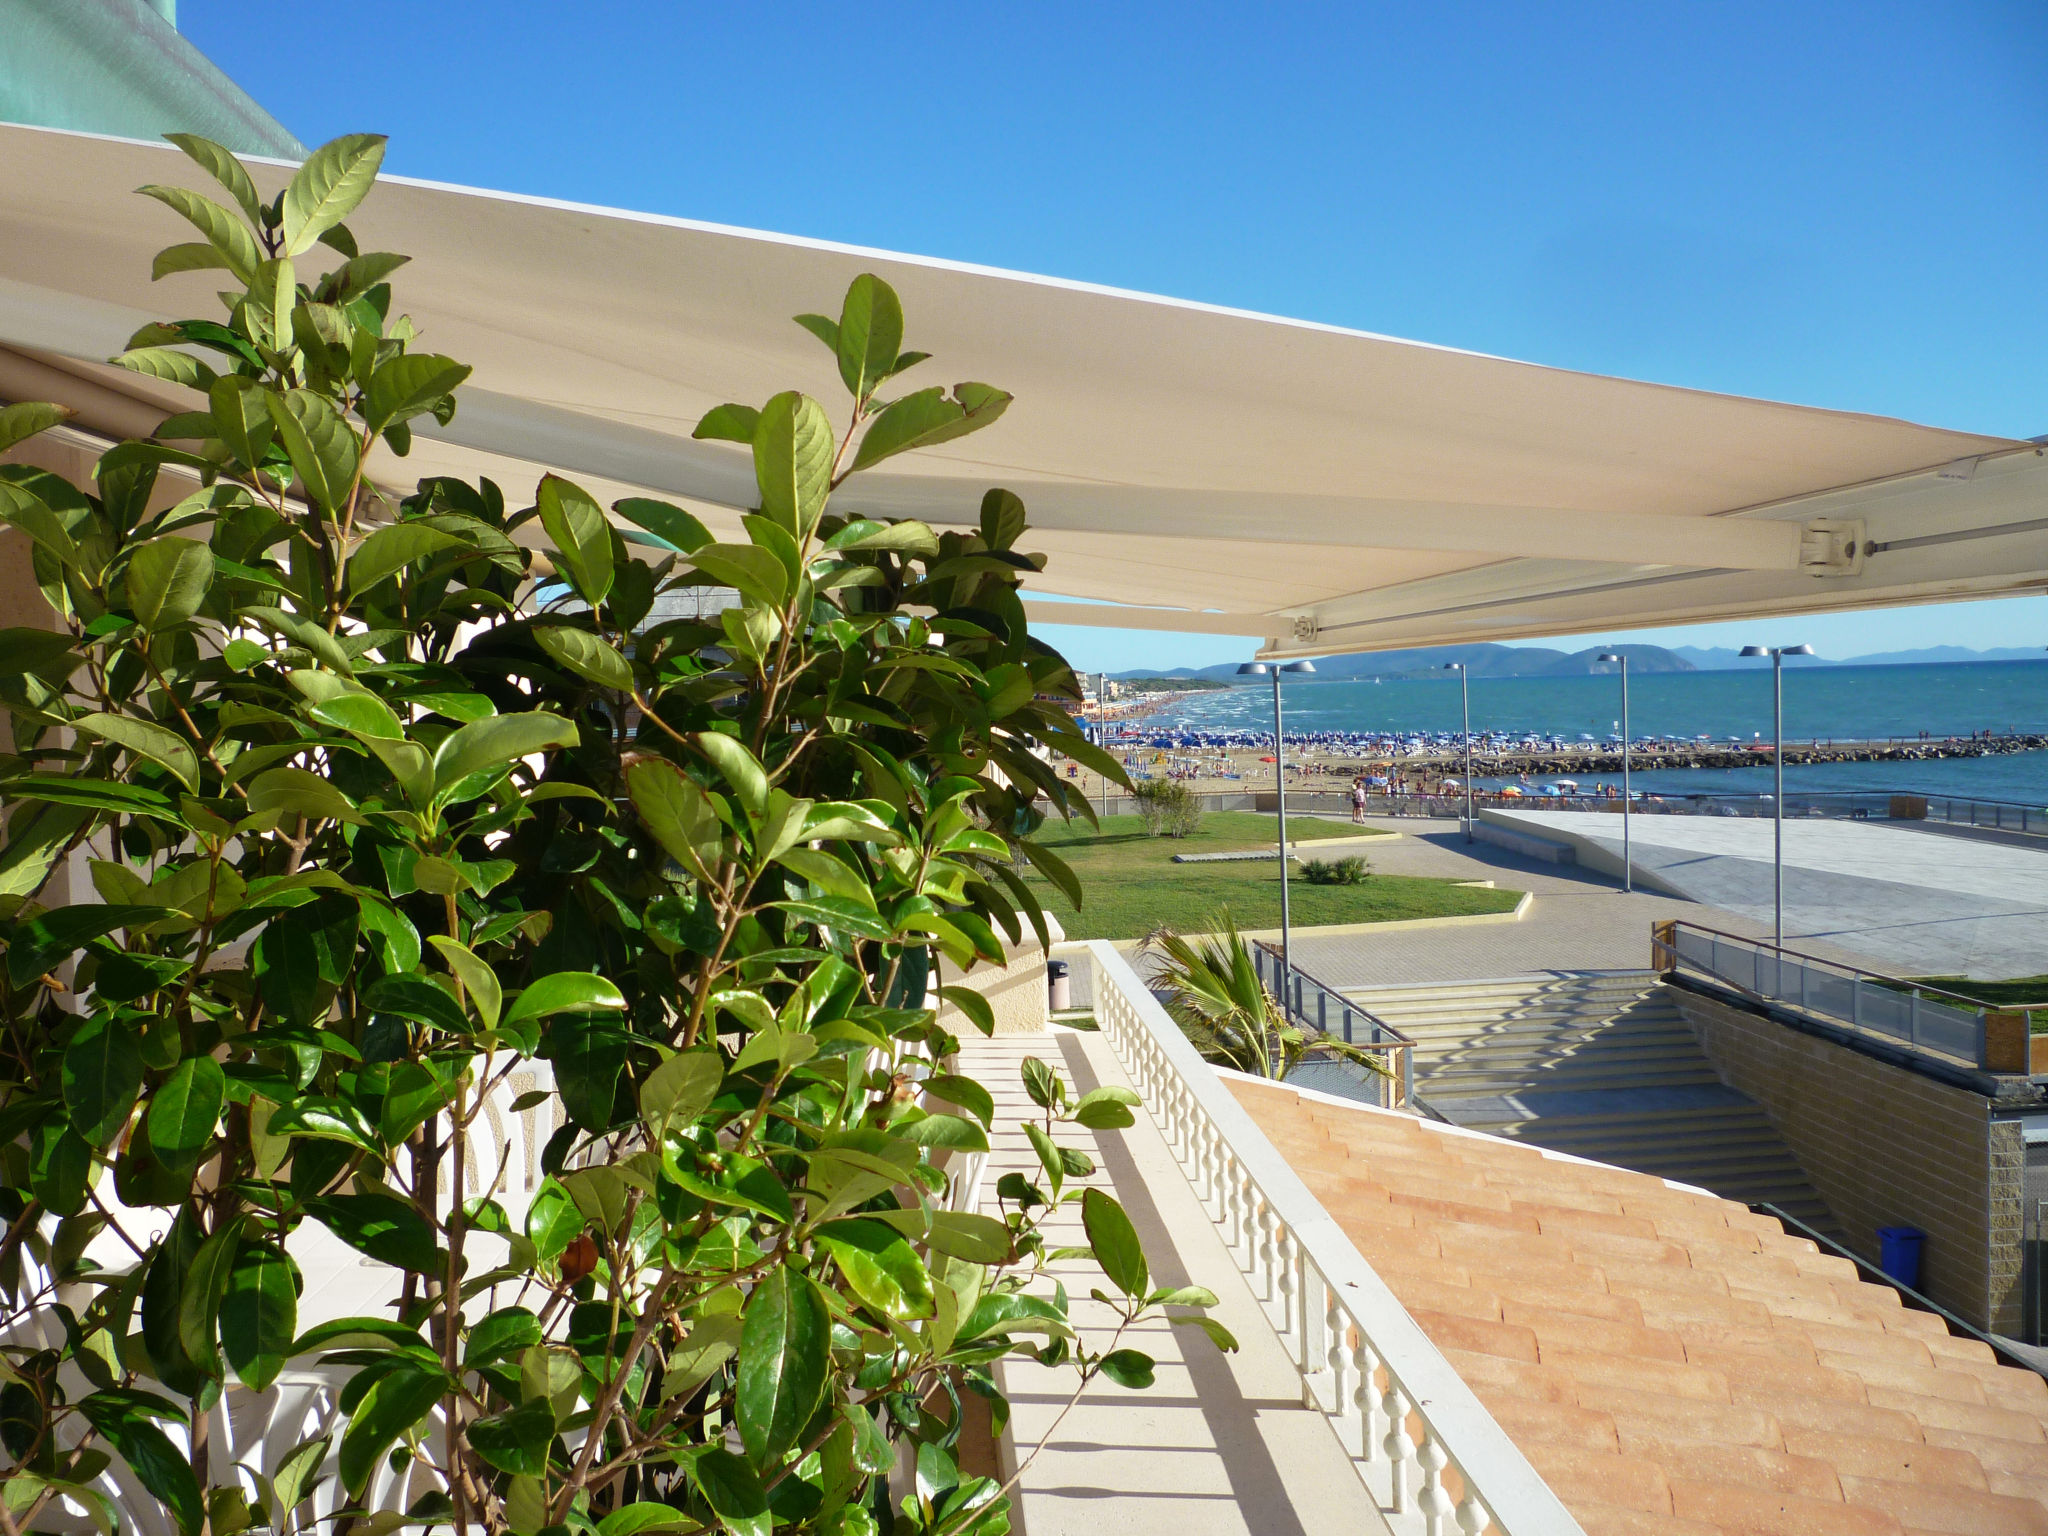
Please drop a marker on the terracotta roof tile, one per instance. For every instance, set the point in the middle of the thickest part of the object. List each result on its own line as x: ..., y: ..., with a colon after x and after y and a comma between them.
x: 1671, y: 1362
x: 1737, y: 1507
x: 1608, y: 1520
x: 1963, y: 1511
x: 1900, y: 1461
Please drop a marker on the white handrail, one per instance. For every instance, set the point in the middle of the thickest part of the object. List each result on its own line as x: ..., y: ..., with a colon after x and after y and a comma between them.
x: 1362, y: 1358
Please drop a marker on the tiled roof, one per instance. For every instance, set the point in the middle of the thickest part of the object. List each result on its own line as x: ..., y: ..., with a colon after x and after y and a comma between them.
x: 1672, y: 1363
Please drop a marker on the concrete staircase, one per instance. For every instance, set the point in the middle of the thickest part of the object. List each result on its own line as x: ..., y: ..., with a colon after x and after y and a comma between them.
x: 1602, y: 1066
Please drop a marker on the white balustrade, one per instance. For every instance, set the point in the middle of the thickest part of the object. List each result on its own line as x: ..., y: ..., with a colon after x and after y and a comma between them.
x: 1410, y: 1417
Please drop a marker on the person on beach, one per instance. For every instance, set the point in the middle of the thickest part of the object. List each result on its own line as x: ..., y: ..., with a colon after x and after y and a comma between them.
x: 1358, y: 800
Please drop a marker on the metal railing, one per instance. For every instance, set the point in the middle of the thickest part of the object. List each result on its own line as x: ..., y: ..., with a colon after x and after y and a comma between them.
x: 1363, y: 1360
x: 1904, y: 1014
x: 1325, y: 1011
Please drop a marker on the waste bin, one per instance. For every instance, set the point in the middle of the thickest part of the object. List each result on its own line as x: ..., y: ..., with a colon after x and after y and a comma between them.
x: 1898, y: 1254
x: 1059, y: 985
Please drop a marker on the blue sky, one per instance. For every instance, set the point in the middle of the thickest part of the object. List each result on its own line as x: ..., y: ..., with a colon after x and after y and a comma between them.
x: 1834, y: 204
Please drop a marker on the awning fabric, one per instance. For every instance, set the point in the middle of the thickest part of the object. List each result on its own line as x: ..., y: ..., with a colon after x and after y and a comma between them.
x: 1186, y: 467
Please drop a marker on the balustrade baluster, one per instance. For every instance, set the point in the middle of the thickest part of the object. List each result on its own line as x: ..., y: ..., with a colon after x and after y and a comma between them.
x: 1436, y: 1504
x: 1400, y: 1448
x: 1472, y: 1516
x: 1290, y: 1289
x: 1366, y: 1397
x: 1268, y: 1250
x: 1337, y: 1333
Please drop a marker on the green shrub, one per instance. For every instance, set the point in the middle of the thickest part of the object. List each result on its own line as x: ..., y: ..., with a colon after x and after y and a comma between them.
x: 1350, y: 870
x: 372, y: 829
x: 1168, y: 807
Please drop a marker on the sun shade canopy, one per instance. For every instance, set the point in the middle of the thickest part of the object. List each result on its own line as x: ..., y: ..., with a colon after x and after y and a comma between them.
x: 1186, y: 467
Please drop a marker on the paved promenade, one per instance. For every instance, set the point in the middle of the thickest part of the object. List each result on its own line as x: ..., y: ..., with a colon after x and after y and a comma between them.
x: 1906, y: 899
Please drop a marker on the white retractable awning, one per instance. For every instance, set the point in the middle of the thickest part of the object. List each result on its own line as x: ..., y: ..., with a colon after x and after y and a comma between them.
x: 1186, y: 467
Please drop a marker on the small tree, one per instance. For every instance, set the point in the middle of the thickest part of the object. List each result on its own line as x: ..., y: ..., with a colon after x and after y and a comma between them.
x: 386, y: 796
x: 1168, y: 807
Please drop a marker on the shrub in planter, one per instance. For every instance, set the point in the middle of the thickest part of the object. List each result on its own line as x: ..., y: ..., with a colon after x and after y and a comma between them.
x: 1349, y: 870
x: 386, y: 797
x: 1168, y: 807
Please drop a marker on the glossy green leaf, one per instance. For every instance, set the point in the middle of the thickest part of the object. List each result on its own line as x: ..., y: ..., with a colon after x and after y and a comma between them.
x: 259, y: 1314
x: 60, y: 1167
x: 206, y: 1283
x: 476, y: 976
x: 221, y: 164
x: 672, y: 525
x: 223, y: 231
x: 733, y: 423
x: 517, y: 1440
x: 741, y: 769
x: 408, y: 385
x: 905, y: 537
x: 587, y: 655
x: 711, y: 1341
x: 398, y: 1401
x: 162, y: 747
x: 150, y: 1453
x: 928, y: 418
x: 881, y: 1266
x: 733, y: 1490
x: 1115, y: 1242
x: 495, y: 741
x: 680, y: 1089
x: 1127, y: 1368
x: 565, y: 992
x: 101, y: 1076
x: 321, y: 445
x: 870, y: 334
x: 184, y: 1110
x: 390, y: 550
x: 241, y: 417
x: 299, y: 1472
x: 582, y: 537
x: 974, y: 1005
x: 326, y: 189
x: 675, y: 808
x: 385, y: 1227
x: 785, y: 1344
x: 748, y: 569
x: 503, y: 1334
x: 419, y: 999
x: 25, y: 418
x: 793, y: 447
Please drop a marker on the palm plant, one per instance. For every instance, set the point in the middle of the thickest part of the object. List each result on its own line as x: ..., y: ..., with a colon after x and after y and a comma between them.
x: 1213, y: 992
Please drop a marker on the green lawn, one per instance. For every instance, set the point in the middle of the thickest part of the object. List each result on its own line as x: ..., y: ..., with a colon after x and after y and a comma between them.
x: 2020, y: 992
x: 1131, y: 885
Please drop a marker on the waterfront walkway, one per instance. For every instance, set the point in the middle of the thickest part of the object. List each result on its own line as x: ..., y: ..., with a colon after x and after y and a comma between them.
x: 1904, y: 898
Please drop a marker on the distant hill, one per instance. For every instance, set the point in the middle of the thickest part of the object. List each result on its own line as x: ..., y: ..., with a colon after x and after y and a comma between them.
x: 1483, y: 660
x: 1542, y: 661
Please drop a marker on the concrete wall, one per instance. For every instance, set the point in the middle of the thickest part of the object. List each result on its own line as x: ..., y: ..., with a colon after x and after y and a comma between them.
x: 1885, y: 1146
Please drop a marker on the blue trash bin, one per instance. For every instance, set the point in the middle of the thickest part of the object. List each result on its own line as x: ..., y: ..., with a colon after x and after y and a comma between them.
x: 1899, y: 1254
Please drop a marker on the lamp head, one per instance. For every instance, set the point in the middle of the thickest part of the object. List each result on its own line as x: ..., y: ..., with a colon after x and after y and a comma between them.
x: 1610, y: 656
x: 1754, y: 650
x: 1454, y: 666
x: 1253, y: 669
x: 1299, y: 666
x: 1795, y: 650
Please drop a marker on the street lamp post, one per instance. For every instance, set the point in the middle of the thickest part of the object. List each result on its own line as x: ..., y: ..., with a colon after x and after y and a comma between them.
x: 1261, y: 669
x: 1778, y: 653
x: 1627, y: 868
x: 1465, y: 694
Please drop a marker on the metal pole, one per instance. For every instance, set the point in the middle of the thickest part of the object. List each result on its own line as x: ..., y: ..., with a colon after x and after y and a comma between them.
x: 1627, y: 867
x: 1280, y: 783
x: 1778, y: 802
x: 1465, y: 692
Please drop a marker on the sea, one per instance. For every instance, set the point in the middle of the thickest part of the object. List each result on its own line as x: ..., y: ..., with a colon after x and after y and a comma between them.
x: 1838, y: 703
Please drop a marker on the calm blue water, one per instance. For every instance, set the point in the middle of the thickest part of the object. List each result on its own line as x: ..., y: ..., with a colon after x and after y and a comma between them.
x: 1842, y: 702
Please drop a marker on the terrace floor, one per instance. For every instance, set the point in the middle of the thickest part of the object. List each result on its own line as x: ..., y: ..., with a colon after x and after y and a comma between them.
x: 1219, y: 1444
